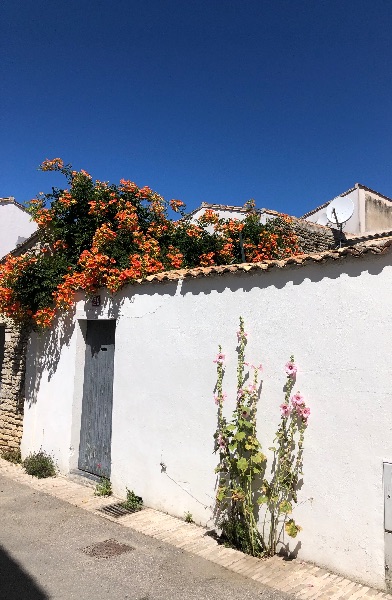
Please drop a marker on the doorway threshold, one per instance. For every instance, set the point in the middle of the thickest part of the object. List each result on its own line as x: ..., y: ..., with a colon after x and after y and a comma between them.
x: 84, y: 478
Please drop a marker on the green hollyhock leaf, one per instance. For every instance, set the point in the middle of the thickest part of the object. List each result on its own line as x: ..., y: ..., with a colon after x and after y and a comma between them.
x: 242, y: 464
x: 262, y: 500
x: 285, y: 507
x: 221, y: 493
x: 291, y: 528
x: 259, y: 458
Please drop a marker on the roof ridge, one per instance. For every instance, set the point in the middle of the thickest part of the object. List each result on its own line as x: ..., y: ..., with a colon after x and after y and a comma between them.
x: 11, y: 200
x: 311, y: 212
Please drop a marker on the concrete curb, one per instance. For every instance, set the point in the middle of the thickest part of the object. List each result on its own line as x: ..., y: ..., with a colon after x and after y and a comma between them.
x: 303, y: 580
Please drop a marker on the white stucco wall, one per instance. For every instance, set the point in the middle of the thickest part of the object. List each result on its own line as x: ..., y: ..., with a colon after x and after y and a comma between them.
x: 15, y: 226
x: 222, y: 214
x: 335, y: 318
x: 356, y: 223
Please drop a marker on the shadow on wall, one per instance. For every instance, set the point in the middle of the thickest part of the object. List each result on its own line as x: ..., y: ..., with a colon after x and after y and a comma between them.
x: 44, y: 353
x: 279, y: 278
x: 16, y: 584
x: 45, y: 348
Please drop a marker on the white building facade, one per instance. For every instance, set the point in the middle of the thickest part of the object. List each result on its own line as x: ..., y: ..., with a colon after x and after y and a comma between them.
x: 331, y: 310
x: 15, y: 225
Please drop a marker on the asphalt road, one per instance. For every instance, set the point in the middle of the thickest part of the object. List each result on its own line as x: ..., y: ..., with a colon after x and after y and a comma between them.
x: 42, y: 542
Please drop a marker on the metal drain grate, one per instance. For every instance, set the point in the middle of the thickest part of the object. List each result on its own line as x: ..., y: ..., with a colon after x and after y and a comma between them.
x: 107, y: 549
x: 116, y: 510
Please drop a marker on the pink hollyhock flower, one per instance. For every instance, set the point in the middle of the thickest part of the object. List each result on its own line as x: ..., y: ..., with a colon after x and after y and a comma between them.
x: 285, y: 410
x: 251, y: 388
x: 219, y: 358
x: 221, y: 441
x: 240, y: 393
x: 297, y: 400
x: 305, y: 413
x: 217, y: 398
x: 290, y: 368
x: 245, y: 413
x: 241, y: 334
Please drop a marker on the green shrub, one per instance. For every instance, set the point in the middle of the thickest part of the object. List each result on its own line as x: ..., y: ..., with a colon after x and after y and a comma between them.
x: 133, y: 502
x: 40, y: 464
x: 12, y: 455
x: 103, y: 488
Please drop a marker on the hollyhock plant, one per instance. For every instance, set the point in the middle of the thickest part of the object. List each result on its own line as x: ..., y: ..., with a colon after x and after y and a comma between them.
x: 245, y: 486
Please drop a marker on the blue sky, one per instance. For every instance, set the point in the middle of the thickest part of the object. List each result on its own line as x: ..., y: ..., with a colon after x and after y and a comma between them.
x: 287, y: 102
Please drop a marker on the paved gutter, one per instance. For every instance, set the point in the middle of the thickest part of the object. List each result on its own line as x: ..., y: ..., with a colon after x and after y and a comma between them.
x: 303, y: 580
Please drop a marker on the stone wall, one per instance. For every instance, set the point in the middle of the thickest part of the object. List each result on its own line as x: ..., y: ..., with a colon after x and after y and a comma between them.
x: 313, y: 237
x: 12, y: 385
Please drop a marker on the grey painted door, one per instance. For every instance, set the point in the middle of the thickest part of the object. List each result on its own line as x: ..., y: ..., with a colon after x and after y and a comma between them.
x: 96, y: 423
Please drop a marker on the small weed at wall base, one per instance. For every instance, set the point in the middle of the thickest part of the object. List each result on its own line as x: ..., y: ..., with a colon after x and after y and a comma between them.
x: 40, y: 464
x: 103, y: 488
x: 133, y: 503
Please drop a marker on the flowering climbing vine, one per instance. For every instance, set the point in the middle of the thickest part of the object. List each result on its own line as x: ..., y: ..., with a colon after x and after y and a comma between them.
x: 96, y: 235
x: 244, y: 489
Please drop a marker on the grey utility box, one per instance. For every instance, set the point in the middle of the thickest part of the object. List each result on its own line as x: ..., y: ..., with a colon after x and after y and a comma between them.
x: 387, y: 477
x: 388, y: 497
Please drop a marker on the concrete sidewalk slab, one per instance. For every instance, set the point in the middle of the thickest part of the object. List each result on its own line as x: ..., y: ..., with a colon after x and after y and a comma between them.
x: 302, y: 580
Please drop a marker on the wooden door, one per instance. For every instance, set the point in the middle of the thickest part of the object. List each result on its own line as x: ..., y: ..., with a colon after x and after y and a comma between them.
x: 96, y: 423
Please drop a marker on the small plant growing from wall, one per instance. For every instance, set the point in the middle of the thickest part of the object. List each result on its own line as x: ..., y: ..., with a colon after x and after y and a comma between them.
x: 133, y: 503
x: 103, y: 488
x: 243, y: 488
x: 40, y: 464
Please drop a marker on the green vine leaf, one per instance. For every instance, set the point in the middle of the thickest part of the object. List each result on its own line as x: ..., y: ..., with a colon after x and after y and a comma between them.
x: 240, y: 435
x: 291, y: 528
